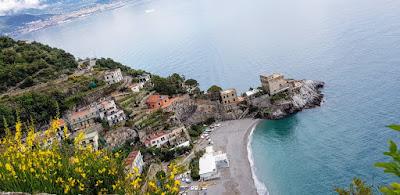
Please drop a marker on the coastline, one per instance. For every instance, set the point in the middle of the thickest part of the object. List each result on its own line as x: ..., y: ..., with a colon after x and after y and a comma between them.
x: 233, y: 138
x: 259, y: 185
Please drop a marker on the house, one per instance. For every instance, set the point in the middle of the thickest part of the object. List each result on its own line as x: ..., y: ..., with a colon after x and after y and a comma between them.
x: 252, y: 93
x: 274, y: 83
x: 86, y: 117
x: 160, y: 138
x: 210, y: 162
x: 87, y: 64
x: 83, y: 118
x: 135, y: 87
x: 134, y: 160
x: 143, y: 78
x: 176, y: 134
x: 113, y: 76
x: 91, y: 138
x: 229, y: 96
x: 157, y: 101
x: 157, y: 139
x: 108, y: 110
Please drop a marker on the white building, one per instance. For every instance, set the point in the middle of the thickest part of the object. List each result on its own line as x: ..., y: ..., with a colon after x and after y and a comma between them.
x: 87, y: 64
x: 174, y: 137
x: 134, y: 160
x: 157, y: 139
x: 108, y: 110
x: 210, y: 162
x: 136, y: 87
x: 113, y: 76
x: 252, y: 93
x: 144, y: 78
x: 91, y: 138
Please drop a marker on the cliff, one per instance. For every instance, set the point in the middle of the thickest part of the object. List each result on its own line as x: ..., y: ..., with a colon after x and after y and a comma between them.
x: 306, y: 95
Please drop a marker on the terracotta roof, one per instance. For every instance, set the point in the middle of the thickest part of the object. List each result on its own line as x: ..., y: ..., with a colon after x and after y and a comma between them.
x: 131, y: 157
x: 61, y: 122
x: 83, y: 112
x: 156, y: 98
x: 107, y: 103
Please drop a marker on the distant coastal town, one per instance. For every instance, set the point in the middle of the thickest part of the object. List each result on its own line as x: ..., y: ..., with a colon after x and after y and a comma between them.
x: 67, y: 17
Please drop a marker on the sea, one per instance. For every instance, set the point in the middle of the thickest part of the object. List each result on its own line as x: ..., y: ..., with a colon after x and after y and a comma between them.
x: 351, y: 45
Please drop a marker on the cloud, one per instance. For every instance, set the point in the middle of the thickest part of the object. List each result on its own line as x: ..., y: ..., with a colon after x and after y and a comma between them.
x: 12, y: 6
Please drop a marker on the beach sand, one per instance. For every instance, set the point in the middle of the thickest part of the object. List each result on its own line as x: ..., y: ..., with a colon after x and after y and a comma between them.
x: 232, y: 138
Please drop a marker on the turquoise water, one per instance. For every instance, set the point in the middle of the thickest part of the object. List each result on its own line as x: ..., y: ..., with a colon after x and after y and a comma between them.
x: 354, y: 46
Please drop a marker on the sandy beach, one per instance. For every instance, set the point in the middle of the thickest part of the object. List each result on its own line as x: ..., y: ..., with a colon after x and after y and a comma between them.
x: 232, y: 138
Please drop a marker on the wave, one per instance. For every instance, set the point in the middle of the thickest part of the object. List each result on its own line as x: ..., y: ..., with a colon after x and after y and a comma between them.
x: 260, y: 186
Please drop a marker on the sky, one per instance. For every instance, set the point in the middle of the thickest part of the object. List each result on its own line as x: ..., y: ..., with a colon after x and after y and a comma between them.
x: 12, y: 6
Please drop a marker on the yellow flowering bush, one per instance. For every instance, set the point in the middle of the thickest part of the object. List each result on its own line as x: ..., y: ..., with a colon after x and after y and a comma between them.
x: 50, y: 162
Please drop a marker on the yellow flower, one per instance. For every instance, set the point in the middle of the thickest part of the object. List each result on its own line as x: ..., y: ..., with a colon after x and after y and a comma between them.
x: 152, y: 185
x: 79, y: 139
x: 66, y: 189
x: 102, y: 170
x: 59, y: 180
x: 98, y: 182
x: 9, y: 167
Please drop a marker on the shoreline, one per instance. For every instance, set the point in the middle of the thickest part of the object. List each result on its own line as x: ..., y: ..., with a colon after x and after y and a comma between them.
x: 233, y: 139
x: 259, y: 185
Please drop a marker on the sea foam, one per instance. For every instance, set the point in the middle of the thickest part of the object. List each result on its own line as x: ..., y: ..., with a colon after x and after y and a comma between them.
x: 260, y: 186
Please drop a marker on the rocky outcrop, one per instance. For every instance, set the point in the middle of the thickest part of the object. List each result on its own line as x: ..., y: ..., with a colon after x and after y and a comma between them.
x: 306, y: 95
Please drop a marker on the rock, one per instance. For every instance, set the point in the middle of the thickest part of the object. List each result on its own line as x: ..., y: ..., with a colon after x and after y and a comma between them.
x: 308, y: 95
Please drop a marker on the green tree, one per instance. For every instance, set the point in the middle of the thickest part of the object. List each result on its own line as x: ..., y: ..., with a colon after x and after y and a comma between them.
x: 191, y: 82
x: 393, y: 166
x: 357, y: 187
x: 31, y: 62
x: 214, y: 88
x: 168, y: 86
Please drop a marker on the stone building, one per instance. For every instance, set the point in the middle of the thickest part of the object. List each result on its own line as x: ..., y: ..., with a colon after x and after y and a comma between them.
x: 113, y: 76
x: 274, y: 83
x: 229, y: 96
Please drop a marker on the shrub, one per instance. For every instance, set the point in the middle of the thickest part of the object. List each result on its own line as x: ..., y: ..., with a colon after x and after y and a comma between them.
x: 48, y: 162
x: 194, y: 166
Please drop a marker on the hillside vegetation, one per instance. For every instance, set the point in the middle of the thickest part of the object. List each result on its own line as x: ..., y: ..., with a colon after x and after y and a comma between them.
x: 26, y: 64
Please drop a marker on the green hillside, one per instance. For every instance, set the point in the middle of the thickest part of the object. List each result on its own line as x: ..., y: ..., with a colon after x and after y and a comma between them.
x: 26, y: 64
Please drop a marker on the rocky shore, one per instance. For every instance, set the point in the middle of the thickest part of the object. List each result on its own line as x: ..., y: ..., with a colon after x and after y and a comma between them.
x: 307, y: 95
